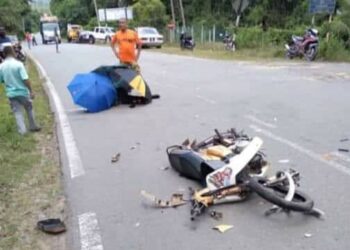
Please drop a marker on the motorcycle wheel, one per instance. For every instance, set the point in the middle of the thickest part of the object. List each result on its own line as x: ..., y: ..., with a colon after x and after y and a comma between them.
x: 310, y: 54
x: 275, y: 194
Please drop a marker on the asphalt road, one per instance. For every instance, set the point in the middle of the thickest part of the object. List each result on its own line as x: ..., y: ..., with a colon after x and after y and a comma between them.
x: 300, y: 109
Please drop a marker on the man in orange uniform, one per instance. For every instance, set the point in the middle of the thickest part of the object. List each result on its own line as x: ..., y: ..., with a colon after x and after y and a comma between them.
x: 126, y: 45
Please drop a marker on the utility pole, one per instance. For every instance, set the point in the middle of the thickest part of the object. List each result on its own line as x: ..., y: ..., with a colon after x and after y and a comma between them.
x: 172, y: 30
x: 172, y: 10
x: 97, y: 16
x: 182, y: 15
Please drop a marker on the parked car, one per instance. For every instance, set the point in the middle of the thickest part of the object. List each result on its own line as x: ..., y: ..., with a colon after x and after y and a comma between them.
x: 103, y: 33
x: 86, y: 37
x: 150, y: 37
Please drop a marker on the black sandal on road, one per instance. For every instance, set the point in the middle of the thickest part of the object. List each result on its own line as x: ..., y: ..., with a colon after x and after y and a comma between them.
x: 51, y: 226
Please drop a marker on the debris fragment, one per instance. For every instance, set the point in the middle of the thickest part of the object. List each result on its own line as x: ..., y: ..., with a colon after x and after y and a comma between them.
x: 343, y: 150
x: 223, y: 228
x: 115, y: 158
x: 275, y: 119
x: 132, y: 147
x: 137, y: 224
x: 165, y: 168
x: 344, y: 140
x: 216, y: 215
x: 327, y: 157
x: 284, y: 161
x: 175, y: 200
x: 307, y: 235
x: 51, y: 226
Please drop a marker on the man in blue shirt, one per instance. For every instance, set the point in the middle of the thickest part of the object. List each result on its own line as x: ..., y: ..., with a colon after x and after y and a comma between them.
x: 18, y: 90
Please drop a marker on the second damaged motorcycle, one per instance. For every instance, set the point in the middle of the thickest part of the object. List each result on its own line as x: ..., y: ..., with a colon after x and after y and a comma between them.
x: 306, y: 45
x: 231, y: 166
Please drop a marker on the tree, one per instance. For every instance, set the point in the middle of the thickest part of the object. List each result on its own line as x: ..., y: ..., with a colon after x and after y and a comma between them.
x: 150, y: 13
x: 12, y: 13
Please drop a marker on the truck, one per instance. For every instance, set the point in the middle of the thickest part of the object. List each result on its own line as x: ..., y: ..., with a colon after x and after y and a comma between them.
x: 73, y: 32
x: 48, y: 27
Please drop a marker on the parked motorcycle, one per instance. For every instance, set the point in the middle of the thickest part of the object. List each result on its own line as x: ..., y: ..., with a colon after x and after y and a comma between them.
x: 231, y: 166
x: 306, y: 46
x: 230, y: 42
x: 186, y: 42
x: 20, y: 55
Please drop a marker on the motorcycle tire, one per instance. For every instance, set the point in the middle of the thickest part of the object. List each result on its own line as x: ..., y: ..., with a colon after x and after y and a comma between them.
x: 310, y: 54
x: 275, y: 194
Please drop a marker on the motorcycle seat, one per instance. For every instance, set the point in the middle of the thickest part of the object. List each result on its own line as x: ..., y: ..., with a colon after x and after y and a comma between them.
x: 298, y: 38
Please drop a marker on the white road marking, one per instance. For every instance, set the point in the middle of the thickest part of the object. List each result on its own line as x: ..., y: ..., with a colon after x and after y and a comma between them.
x: 206, y: 99
x: 74, y: 160
x: 256, y: 120
x: 90, y: 237
x: 302, y: 150
x: 340, y: 156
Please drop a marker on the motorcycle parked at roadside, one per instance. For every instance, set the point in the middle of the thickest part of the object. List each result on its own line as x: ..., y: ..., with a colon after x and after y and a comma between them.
x: 230, y: 42
x: 231, y: 166
x: 306, y: 45
x: 186, y: 42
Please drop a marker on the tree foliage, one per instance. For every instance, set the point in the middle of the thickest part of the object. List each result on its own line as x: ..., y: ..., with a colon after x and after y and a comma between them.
x: 12, y: 13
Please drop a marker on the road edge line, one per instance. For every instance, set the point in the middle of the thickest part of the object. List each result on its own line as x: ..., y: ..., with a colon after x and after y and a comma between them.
x: 72, y: 152
x: 90, y: 237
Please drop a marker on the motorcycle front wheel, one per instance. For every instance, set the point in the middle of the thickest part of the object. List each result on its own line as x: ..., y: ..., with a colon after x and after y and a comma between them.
x: 275, y: 194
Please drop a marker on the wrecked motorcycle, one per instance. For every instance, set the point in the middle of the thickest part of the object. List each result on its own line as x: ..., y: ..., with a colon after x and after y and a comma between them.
x: 231, y: 166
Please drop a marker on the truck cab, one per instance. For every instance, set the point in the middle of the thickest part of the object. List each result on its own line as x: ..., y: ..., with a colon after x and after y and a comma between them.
x: 49, y: 28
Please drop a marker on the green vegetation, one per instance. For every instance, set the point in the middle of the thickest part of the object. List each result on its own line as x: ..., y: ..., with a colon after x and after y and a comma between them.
x: 30, y: 175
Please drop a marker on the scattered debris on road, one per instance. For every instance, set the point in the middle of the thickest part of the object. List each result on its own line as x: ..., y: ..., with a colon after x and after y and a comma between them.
x: 343, y: 150
x: 137, y: 224
x: 307, y: 235
x: 223, y: 228
x: 175, y: 200
x: 115, y: 158
x: 344, y: 140
x: 284, y: 161
x: 164, y: 168
x: 216, y: 215
x: 51, y: 226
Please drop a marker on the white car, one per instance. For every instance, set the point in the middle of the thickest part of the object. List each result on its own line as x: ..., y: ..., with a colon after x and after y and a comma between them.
x: 103, y: 33
x: 150, y: 37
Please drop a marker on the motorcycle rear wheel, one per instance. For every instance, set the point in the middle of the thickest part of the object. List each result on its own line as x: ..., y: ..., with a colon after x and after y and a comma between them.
x: 275, y: 194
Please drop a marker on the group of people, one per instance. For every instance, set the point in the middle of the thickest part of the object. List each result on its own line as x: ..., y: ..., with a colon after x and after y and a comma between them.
x: 31, y: 40
x: 126, y: 47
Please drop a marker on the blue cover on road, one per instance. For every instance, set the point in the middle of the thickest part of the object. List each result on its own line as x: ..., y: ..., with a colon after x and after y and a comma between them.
x: 93, y: 91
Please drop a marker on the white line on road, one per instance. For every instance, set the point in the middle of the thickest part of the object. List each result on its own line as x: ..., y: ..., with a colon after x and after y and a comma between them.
x: 74, y: 160
x: 256, y: 120
x: 340, y: 156
x: 206, y: 99
x: 90, y: 237
x: 302, y: 150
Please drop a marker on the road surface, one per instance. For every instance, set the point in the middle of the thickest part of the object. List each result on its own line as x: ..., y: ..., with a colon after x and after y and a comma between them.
x: 300, y: 110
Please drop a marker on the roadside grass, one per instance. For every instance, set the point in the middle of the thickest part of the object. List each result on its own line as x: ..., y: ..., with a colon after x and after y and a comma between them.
x: 30, y: 178
x: 216, y: 51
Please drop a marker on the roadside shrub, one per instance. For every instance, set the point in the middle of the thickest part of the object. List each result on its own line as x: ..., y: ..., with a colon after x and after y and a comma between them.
x: 337, y: 28
x: 333, y: 50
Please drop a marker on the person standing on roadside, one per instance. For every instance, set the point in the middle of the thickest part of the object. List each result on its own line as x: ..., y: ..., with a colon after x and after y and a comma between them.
x: 34, y: 43
x: 28, y: 38
x: 57, y: 39
x: 126, y: 45
x: 18, y: 89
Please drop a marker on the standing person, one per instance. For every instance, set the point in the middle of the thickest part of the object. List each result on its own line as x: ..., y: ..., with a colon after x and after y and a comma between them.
x: 56, y: 40
x: 126, y: 45
x: 18, y: 90
x: 28, y: 38
x: 34, y: 43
